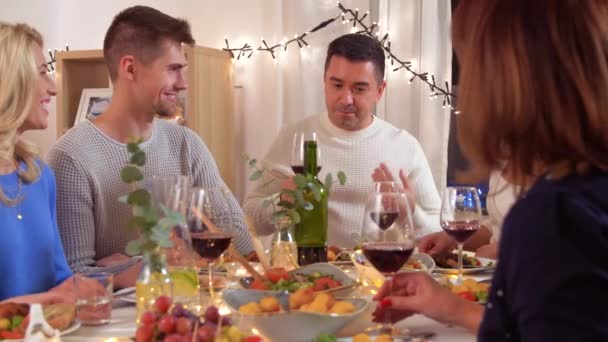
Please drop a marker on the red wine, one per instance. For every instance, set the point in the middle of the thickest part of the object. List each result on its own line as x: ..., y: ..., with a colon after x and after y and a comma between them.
x: 384, y: 219
x: 210, y: 245
x: 299, y: 169
x: 311, y: 255
x: 460, y: 230
x: 388, y: 257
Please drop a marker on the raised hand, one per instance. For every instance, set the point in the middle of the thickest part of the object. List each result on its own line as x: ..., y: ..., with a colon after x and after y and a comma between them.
x: 383, y: 174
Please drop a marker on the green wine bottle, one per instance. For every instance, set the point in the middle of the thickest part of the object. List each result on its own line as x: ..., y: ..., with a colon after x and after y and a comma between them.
x: 311, y: 232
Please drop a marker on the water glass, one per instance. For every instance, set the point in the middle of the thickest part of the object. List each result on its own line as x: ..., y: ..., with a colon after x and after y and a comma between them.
x: 94, y: 297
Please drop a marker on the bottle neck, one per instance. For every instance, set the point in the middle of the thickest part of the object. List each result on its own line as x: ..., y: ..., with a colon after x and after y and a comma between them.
x: 310, y: 158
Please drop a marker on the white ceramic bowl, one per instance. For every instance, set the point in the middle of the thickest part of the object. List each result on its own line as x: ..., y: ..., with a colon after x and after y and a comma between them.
x: 294, y: 326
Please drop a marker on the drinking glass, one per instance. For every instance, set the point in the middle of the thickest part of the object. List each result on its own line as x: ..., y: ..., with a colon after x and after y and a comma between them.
x: 298, y: 154
x: 460, y: 216
x: 386, y: 237
x: 94, y: 297
x: 211, y: 226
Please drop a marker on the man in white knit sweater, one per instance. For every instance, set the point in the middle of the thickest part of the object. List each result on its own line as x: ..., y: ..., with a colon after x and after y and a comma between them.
x: 143, y: 52
x: 355, y: 141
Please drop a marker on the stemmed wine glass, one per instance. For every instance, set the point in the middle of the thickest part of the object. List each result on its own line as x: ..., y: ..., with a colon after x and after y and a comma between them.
x: 460, y: 216
x: 298, y: 151
x: 211, y: 227
x: 386, y: 237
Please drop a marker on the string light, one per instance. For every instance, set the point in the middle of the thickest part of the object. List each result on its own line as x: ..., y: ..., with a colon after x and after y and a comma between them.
x: 50, y: 65
x: 359, y: 26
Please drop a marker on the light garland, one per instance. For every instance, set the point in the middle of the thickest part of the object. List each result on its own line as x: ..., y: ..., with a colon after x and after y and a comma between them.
x: 356, y: 19
x: 50, y: 65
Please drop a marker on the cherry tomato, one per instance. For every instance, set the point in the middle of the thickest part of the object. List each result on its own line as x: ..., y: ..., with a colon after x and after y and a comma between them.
x: 259, y: 285
x: 468, y: 295
x: 276, y: 274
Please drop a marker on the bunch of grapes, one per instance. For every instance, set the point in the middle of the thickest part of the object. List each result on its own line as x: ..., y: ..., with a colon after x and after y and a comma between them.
x: 177, y: 324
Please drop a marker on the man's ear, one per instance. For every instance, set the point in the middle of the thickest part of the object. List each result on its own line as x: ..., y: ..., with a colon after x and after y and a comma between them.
x: 126, y: 67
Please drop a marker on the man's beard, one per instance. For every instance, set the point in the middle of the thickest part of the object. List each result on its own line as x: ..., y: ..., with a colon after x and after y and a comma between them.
x: 165, y: 111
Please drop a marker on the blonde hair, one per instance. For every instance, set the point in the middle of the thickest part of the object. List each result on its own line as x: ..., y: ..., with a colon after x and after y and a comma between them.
x: 533, y: 85
x: 18, y: 75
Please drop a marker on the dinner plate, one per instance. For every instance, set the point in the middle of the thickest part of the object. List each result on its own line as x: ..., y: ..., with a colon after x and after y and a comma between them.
x: 487, y: 265
x: 73, y: 327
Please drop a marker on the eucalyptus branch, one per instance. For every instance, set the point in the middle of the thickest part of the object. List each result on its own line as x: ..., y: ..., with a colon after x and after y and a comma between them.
x: 154, y: 230
x: 305, y: 194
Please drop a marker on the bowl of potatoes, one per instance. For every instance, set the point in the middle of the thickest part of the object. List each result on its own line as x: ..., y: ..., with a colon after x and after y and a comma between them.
x: 302, y: 317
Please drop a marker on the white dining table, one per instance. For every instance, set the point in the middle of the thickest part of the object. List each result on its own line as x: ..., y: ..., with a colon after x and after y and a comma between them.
x: 122, y: 326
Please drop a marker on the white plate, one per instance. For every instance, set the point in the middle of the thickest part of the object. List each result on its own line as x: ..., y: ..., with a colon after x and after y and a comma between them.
x: 126, y: 295
x: 487, y: 265
x: 73, y: 327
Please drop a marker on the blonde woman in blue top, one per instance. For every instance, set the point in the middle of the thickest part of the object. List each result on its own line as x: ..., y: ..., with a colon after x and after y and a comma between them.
x: 32, y: 261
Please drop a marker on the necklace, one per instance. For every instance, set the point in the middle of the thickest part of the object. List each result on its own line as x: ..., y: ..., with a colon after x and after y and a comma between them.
x: 16, y: 202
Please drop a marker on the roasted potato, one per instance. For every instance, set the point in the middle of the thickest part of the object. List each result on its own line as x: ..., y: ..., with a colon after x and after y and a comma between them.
x: 270, y: 304
x: 342, y: 307
x: 252, y: 308
x: 301, y: 297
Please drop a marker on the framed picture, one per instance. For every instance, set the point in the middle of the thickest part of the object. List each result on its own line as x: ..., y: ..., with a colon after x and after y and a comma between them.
x: 93, y: 102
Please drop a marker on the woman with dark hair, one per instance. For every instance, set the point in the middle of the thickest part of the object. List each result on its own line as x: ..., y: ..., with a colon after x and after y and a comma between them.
x: 533, y: 97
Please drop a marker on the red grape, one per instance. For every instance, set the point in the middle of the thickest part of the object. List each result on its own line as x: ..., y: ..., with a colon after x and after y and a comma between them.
x: 183, y: 326
x: 162, y: 304
x: 148, y: 317
x: 144, y: 333
x: 226, y: 321
x: 206, y: 333
x: 212, y: 314
x: 173, y: 338
x: 253, y: 338
x: 178, y: 310
x: 166, y: 324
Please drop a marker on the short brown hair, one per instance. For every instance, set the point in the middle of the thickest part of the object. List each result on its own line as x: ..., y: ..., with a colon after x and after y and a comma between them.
x: 534, y: 84
x: 357, y: 47
x: 140, y: 31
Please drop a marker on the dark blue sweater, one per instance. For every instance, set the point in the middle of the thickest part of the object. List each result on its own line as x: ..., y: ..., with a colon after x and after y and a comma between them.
x: 551, y: 281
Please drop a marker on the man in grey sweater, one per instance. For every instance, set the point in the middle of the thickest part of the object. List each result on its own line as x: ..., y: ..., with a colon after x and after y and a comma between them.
x: 143, y: 52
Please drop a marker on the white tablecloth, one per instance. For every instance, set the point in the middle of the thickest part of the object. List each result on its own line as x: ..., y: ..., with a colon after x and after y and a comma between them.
x: 123, y: 325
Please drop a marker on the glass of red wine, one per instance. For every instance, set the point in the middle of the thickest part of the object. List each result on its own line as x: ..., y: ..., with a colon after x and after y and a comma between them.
x: 460, y: 216
x: 387, y: 238
x: 298, y: 148
x: 210, y: 241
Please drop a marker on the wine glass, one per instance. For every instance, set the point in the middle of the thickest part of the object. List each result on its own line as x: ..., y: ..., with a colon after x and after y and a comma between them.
x: 386, y: 237
x: 298, y: 148
x: 211, y: 227
x: 460, y: 216
x: 386, y: 186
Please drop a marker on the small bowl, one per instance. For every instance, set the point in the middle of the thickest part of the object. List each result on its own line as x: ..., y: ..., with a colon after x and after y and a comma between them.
x: 294, y: 326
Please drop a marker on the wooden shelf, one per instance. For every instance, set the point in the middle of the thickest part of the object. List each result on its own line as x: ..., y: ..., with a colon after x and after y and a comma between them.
x: 209, y: 98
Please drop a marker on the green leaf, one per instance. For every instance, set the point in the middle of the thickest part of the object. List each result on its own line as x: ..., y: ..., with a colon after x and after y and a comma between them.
x: 148, y: 212
x: 139, y: 158
x: 256, y: 175
x: 329, y: 180
x: 160, y: 235
x: 134, y: 247
x: 133, y: 147
x: 316, y: 192
x: 300, y: 181
x: 300, y: 197
x: 136, y: 222
x: 342, y: 177
x: 124, y: 199
x: 131, y: 174
x: 140, y: 197
x: 253, y: 162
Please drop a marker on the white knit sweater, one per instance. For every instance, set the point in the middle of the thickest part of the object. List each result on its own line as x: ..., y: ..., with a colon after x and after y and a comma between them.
x: 357, y: 154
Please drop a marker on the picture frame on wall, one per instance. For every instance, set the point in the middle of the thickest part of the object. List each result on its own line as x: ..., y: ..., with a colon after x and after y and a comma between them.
x: 93, y: 102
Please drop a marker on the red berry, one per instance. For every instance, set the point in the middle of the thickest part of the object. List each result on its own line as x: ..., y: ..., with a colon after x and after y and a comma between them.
x: 173, y: 338
x: 206, y: 333
x: 162, y: 304
x: 148, y: 317
x: 144, y: 333
x: 166, y: 324
x: 212, y: 314
x: 183, y: 326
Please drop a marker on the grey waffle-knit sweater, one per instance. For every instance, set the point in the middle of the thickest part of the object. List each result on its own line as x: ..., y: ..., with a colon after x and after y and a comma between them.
x: 87, y: 164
